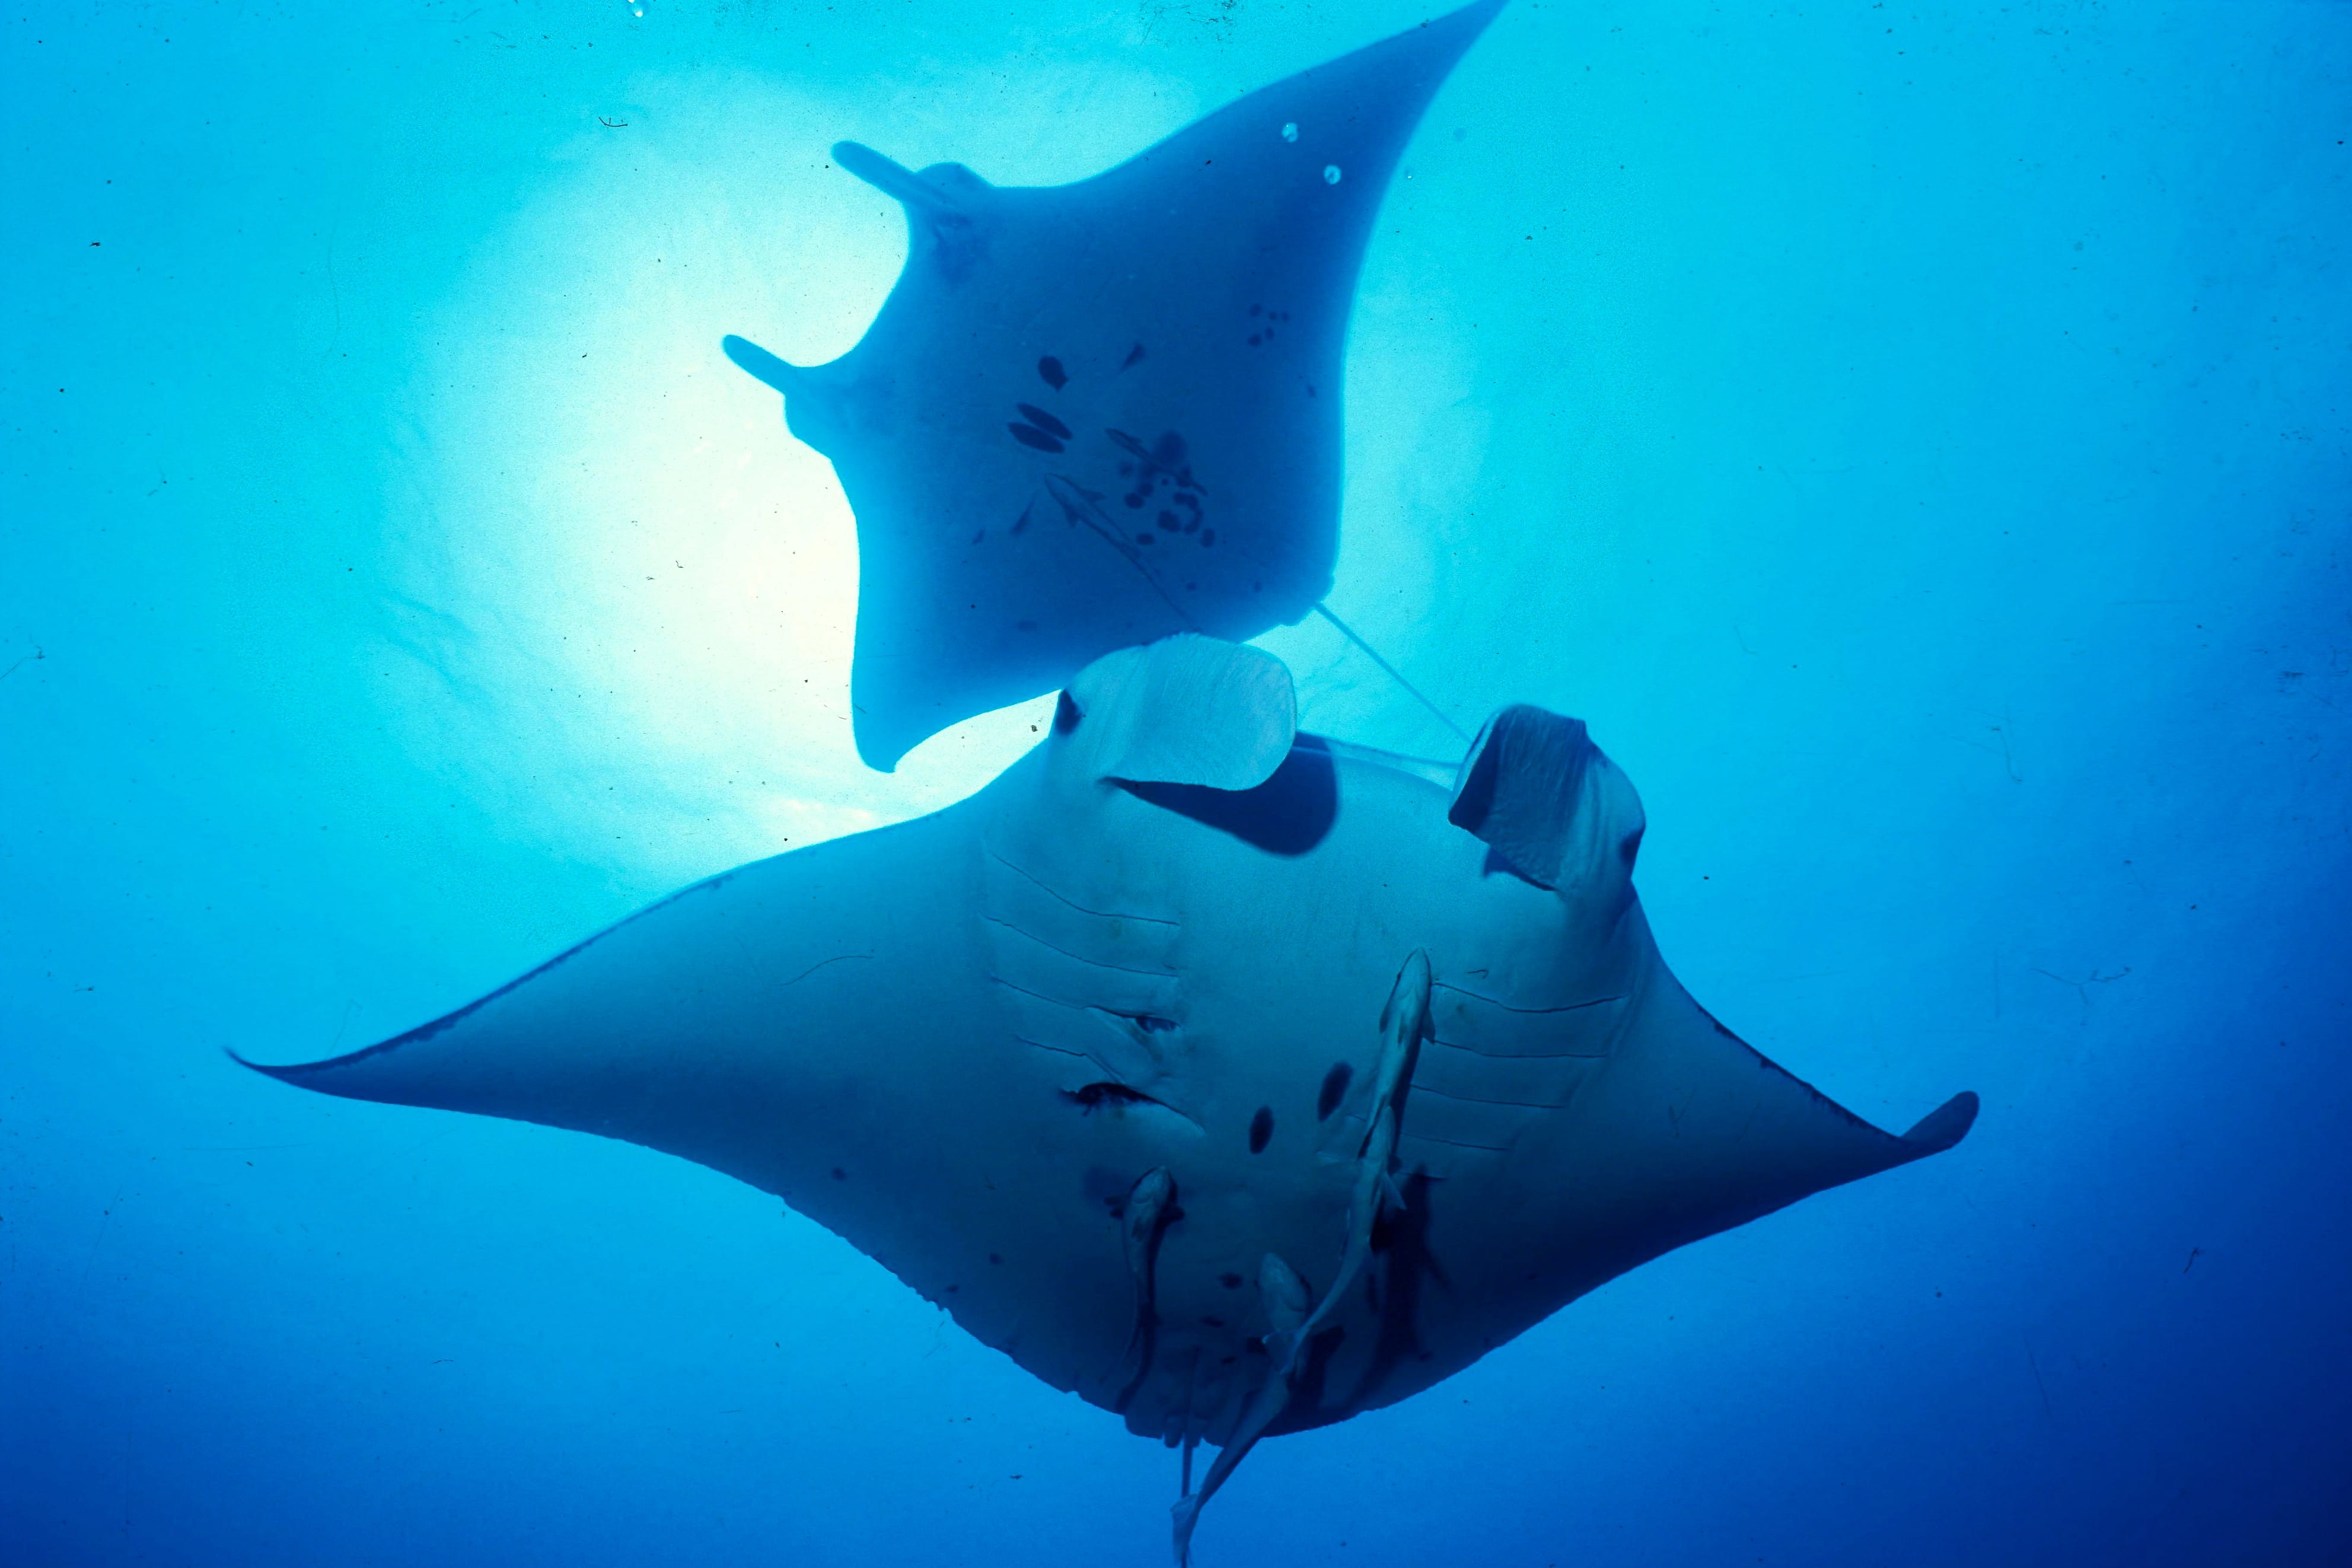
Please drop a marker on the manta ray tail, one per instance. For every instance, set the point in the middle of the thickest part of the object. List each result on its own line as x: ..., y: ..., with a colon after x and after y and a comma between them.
x: 1405, y: 1023
x: 1283, y: 1295
x: 1392, y: 671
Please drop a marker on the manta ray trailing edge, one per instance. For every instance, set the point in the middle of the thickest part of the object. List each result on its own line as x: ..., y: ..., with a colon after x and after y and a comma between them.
x: 1234, y: 1080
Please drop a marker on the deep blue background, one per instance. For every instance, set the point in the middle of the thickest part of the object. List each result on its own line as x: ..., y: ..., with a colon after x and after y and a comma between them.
x: 1914, y: 439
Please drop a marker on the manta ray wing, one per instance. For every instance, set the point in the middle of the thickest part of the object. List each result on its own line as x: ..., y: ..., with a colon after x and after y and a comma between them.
x: 1091, y: 415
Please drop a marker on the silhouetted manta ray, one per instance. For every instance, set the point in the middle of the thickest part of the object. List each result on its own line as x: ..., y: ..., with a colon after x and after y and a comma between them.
x: 1235, y: 1081
x: 1092, y: 414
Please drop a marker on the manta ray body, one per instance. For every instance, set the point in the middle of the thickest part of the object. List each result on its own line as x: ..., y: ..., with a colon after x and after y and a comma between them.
x: 1094, y: 415
x: 1182, y: 1013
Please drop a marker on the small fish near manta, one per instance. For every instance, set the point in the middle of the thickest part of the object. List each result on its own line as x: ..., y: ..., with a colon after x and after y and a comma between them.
x: 1234, y: 1080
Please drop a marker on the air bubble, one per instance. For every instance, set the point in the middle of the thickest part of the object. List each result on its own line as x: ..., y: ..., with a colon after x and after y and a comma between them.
x: 1330, y: 173
x: 1290, y: 133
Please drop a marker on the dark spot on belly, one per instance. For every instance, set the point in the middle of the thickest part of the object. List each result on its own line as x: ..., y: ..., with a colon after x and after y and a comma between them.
x: 1028, y: 437
x: 1261, y: 1128
x: 1230, y: 1280
x: 1214, y: 1322
x: 1054, y: 375
x: 1334, y: 1084
x: 839, y: 1175
x: 995, y: 1258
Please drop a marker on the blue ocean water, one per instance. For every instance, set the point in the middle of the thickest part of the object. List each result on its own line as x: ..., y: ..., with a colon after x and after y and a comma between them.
x: 1916, y: 440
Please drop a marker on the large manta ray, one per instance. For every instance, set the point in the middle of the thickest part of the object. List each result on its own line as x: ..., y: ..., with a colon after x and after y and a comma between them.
x: 1094, y: 415
x: 1235, y: 1081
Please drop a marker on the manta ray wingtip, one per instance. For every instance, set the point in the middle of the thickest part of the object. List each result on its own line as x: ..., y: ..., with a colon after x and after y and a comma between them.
x: 1946, y: 1125
x: 284, y: 1072
x: 1472, y: 19
x: 1184, y: 1514
x: 230, y: 1052
x: 1478, y: 13
x: 297, y: 1072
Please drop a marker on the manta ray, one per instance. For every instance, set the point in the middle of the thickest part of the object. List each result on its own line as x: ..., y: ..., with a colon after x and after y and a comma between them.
x: 1091, y: 415
x: 1231, y: 1078
x: 1234, y: 1078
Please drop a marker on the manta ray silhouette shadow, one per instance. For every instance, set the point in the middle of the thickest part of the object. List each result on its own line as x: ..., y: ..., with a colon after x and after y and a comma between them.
x: 1091, y: 415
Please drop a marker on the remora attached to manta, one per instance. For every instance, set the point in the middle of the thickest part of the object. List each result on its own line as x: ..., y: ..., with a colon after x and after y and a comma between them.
x: 1235, y: 1079
x: 1077, y: 1057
